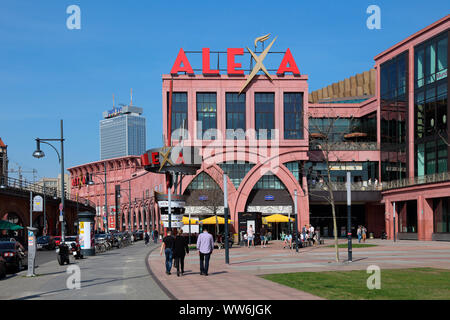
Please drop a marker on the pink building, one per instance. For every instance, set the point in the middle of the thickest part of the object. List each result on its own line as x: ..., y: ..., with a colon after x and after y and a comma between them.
x: 387, y: 126
x: 130, y: 192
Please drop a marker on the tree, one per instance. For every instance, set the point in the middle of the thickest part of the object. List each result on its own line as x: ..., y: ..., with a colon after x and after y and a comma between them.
x: 322, y: 139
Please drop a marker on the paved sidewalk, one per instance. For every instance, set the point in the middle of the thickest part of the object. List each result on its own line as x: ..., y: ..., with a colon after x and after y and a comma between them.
x: 119, y: 274
x: 240, y: 280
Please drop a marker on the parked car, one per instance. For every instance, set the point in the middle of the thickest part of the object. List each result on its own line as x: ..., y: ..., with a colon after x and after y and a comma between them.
x: 2, y: 268
x: 14, y: 254
x: 45, y: 242
x: 139, y: 235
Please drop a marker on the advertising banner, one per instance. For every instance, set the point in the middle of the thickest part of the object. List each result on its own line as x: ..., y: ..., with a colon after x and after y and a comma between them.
x: 85, y: 235
x: 37, y: 204
x: 112, y: 222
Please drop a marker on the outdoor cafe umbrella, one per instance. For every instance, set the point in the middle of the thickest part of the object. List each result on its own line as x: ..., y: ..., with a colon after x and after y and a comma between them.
x: 212, y: 220
x: 278, y: 218
x: 186, y: 221
x: 6, y: 225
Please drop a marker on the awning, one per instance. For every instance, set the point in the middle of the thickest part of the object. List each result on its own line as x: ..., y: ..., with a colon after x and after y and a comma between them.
x: 277, y: 218
x: 6, y: 225
x: 317, y: 135
x: 355, y: 135
x: 186, y: 221
x: 212, y: 220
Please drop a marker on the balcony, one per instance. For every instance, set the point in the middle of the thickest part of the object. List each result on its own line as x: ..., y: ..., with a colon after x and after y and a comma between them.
x: 342, y: 186
x: 414, y: 181
x: 346, y: 146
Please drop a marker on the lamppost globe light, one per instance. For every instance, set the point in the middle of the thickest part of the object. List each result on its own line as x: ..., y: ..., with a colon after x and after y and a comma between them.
x: 38, y: 154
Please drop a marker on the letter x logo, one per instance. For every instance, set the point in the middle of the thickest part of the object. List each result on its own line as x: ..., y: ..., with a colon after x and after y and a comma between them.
x: 259, y: 63
x: 165, y: 157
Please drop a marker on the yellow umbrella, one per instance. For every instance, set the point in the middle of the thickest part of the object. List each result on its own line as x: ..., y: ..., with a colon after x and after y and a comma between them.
x: 278, y: 218
x: 186, y: 221
x: 212, y: 220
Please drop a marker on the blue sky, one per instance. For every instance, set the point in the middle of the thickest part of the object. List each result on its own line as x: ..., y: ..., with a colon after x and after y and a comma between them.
x: 48, y: 72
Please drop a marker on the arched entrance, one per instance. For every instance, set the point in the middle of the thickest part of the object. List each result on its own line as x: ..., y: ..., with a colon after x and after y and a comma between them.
x: 270, y: 196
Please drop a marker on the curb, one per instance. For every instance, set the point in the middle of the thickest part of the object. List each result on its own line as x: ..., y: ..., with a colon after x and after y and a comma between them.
x: 160, y: 285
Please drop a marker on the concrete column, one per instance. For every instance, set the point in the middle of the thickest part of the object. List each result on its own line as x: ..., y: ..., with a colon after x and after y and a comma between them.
x: 425, y: 219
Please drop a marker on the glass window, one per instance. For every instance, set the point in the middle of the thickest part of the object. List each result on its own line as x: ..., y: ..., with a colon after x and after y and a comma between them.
x: 441, y: 209
x: 203, y: 182
x: 236, y: 171
x: 269, y: 181
x: 442, y: 55
x: 431, y: 157
x: 264, y: 115
x: 235, y: 119
x: 293, y: 115
x: 206, y: 115
x: 419, y: 68
x: 179, y: 111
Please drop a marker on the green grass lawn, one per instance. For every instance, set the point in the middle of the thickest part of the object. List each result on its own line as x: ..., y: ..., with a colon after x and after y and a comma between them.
x: 354, y: 245
x: 396, y: 284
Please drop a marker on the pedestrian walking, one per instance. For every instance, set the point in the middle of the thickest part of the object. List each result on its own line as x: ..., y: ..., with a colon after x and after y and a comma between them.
x: 180, y: 249
x: 205, y: 247
x: 167, y: 247
x: 147, y: 238
x: 359, y: 234
x: 155, y: 236
x: 263, y: 237
x: 250, y: 236
x: 364, y: 232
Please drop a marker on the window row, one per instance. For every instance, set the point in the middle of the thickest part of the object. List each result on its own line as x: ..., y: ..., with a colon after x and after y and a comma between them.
x: 235, y: 105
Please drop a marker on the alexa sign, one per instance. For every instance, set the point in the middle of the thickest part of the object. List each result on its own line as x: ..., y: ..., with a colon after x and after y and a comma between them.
x: 287, y: 63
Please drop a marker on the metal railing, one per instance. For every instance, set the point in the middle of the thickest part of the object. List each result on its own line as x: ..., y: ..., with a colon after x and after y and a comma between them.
x: 24, y: 185
x: 345, y: 146
x: 408, y: 182
x: 342, y: 186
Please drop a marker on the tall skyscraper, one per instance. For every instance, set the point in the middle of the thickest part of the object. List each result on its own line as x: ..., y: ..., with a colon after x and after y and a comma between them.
x: 122, y: 132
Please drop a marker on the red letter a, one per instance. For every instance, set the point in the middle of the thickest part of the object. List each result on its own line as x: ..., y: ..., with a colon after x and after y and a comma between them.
x: 288, y: 59
x: 182, y: 59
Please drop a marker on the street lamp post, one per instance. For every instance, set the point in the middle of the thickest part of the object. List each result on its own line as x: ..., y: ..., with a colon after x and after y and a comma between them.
x: 40, y: 154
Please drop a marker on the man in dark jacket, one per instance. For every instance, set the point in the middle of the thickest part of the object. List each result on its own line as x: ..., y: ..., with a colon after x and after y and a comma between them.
x: 180, y: 249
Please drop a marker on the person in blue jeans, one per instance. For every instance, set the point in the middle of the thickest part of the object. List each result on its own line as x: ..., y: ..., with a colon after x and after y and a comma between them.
x: 167, y: 247
x: 205, y: 246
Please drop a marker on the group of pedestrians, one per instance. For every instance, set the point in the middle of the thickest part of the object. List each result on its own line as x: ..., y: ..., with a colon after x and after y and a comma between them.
x: 154, y: 236
x: 361, y: 233
x: 176, y: 248
x: 308, y: 234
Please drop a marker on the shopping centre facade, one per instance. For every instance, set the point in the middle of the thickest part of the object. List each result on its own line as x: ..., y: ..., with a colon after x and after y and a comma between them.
x: 263, y: 128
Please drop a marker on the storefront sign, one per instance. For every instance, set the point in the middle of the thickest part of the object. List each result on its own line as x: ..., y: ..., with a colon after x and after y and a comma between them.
x: 37, y: 204
x: 174, y: 224
x: 173, y: 217
x: 287, y: 64
x: 269, y: 198
x: 177, y: 159
x: 173, y: 204
x: 112, y: 222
